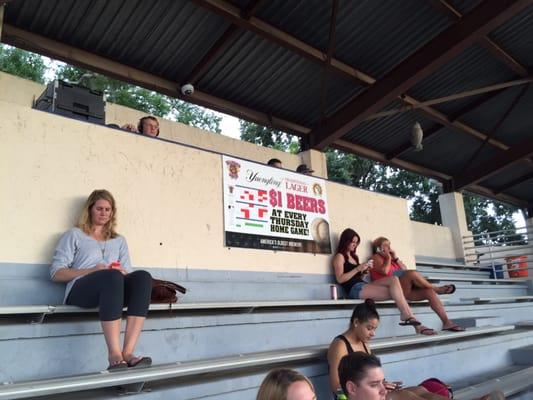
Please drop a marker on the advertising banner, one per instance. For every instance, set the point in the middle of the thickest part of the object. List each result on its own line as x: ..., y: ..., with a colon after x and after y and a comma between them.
x: 274, y: 209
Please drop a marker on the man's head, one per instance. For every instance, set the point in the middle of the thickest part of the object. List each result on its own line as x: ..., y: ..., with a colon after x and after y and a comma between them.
x: 274, y: 162
x: 148, y: 126
x: 361, y: 377
x: 304, y: 169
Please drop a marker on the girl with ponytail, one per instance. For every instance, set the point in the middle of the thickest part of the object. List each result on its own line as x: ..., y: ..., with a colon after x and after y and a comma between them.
x: 363, y: 325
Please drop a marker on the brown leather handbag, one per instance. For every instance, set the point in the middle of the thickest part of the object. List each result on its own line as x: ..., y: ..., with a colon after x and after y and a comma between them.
x: 165, y: 291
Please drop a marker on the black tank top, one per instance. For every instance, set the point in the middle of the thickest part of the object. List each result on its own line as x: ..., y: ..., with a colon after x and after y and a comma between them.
x: 349, y: 347
x: 348, y: 266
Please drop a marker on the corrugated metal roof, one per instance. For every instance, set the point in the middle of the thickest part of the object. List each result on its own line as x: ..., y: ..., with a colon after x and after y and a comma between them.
x: 449, y: 151
x: 473, y: 68
x: 522, y: 191
x: 168, y: 38
x: 268, y: 78
x: 375, y: 36
x: 464, y: 6
x: 517, y: 126
x: 508, y: 174
x: 516, y: 37
x: 387, y: 134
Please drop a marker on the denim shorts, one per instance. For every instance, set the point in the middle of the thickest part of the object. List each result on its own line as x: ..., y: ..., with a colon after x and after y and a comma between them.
x: 356, y: 290
x: 399, y: 273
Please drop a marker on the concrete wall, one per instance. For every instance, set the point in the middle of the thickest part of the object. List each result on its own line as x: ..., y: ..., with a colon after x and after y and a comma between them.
x: 169, y: 198
x: 22, y: 92
x: 433, y: 240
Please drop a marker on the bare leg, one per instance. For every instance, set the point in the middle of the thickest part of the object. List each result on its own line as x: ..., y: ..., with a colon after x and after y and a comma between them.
x: 112, y: 338
x: 131, y: 336
x: 385, y: 289
x: 434, y: 302
x: 415, y: 280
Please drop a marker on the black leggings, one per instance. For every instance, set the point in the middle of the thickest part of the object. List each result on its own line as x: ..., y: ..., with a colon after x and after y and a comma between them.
x: 110, y: 291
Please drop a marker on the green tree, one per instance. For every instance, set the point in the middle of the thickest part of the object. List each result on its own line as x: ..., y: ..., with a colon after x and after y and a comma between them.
x: 484, y: 215
x: 141, y: 99
x: 22, y: 63
x: 268, y: 137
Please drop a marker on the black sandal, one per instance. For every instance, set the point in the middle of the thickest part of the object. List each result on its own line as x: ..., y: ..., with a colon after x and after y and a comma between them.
x: 411, y: 321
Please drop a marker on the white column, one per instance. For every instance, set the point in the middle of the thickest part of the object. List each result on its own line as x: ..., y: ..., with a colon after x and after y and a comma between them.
x: 315, y: 160
x: 453, y: 215
x: 529, y: 225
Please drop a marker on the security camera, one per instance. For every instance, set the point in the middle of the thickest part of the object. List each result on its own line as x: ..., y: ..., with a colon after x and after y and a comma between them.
x: 187, y: 89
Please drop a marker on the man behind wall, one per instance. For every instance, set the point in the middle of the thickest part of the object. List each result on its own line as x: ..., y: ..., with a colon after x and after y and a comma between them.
x: 148, y: 126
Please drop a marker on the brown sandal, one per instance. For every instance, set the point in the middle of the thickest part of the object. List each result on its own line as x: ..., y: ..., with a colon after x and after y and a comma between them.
x: 139, y: 362
x: 117, y: 366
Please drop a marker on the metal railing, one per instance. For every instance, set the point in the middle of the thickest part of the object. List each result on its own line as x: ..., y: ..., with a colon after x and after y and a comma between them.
x: 508, y: 250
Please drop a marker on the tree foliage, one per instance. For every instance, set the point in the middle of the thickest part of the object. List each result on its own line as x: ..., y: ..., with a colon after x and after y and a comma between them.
x: 268, y: 137
x: 141, y: 99
x: 22, y: 63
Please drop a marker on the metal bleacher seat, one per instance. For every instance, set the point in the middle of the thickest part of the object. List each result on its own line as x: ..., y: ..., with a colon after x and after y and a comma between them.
x: 103, y: 379
x: 509, y: 384
x: 507, y: 299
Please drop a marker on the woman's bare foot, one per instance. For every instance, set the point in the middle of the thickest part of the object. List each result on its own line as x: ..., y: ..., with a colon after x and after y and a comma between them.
x: 446, y: 289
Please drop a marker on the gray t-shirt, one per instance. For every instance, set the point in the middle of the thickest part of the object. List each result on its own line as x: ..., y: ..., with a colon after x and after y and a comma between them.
x: 78, y: 250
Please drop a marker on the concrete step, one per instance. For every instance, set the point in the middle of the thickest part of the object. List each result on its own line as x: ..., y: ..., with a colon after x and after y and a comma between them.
x: 427, y: 270
x: 522, y: 355
x: 468, y: 291
x: 498, y: 299
x: 489, y: 281
x: 477, y: 322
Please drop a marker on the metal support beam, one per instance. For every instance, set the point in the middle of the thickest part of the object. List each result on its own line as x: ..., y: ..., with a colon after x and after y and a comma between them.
x: 497, y: 51
x: 495, y: 129
x: 220, y: 45
x: 397, y: 152
x: 516, y: 153
x: 2, y: 10
x: 275, y: 35
x: 446, y: 46
x: 327, y: 64
x: 456, y: 96
x: 380, y: 157
x: 514, y: 182
x: 504, y: 198
x: 60, y: 51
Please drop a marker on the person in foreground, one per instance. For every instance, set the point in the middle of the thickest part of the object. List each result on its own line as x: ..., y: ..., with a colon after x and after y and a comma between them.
x: 352, y: 276
x: 93, y: 260
x: 286, y: 384
x: 414, y: 286
x: 358, y: 373
x: 363, y: 325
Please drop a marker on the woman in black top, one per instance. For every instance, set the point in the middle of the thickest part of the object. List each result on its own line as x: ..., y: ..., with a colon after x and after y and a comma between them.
x: 363, y: 325
x: 350, y: 274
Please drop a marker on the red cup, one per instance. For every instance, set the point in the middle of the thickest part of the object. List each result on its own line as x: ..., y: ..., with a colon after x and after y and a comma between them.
x: 115, y: 265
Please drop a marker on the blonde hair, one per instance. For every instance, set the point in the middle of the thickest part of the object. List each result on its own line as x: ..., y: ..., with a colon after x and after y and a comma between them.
x: 378, y: 242
x: 277, y: 382
x: 85, y: 223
